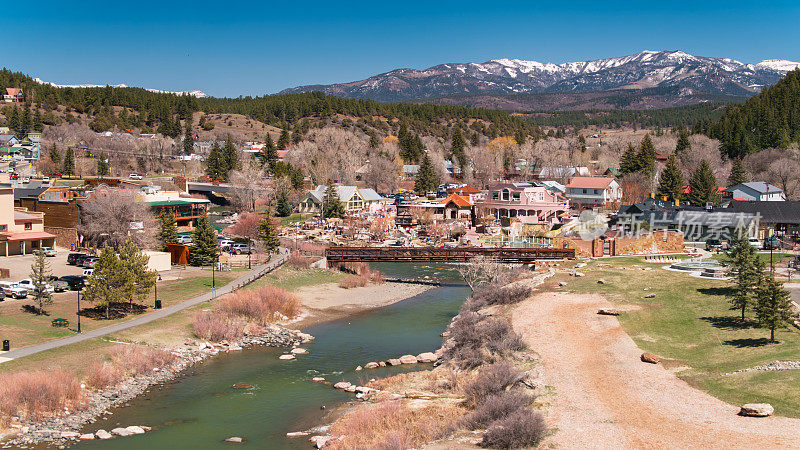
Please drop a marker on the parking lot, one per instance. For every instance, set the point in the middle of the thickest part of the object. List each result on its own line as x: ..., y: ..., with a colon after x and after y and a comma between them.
x: 20, y: 266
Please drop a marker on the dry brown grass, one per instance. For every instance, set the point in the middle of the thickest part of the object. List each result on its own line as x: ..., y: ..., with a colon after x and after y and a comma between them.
x: 101, y: 375
x: 39, y: 394
x: 261, y: 306
x: 394, y: 424
x: 216, y: 327
x: 361, y: 275
x: 298, y: 261
x: 139, y: 359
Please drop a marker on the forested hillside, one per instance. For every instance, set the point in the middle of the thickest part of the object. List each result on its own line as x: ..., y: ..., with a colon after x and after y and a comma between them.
x: 616, y: 118
x: 771, y: 119
x: 162, y: 113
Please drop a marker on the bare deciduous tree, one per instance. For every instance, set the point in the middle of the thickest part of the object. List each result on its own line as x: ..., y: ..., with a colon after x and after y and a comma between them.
x: 111, y: 216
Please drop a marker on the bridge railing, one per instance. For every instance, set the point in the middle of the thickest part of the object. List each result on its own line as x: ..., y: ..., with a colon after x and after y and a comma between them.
x: 444, y: 254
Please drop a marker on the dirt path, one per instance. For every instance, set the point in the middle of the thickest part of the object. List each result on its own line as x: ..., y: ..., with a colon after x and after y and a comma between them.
x: 605, y: 397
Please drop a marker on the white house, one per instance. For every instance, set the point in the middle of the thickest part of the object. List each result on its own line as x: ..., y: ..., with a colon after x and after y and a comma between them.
x: 594, y: 191
x: 353, y: 198
x: 758, y: 191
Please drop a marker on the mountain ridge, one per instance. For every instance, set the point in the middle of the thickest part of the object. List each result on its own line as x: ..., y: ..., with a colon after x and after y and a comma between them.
x: 642, y: 70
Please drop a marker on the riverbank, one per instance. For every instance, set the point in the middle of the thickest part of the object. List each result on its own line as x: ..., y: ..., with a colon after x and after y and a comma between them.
x: 174, y: 333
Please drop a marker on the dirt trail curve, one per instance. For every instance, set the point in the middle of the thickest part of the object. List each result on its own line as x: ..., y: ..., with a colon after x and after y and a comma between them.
x: 605, y: 397
x: 277, y: 260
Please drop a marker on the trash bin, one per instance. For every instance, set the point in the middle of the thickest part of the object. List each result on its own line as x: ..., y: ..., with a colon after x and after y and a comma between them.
x: 6, y: 345
x: 158, y: 304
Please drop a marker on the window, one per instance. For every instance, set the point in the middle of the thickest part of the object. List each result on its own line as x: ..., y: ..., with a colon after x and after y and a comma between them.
x: 3, y: 227
x: 515, y: 196
x: 28, y: 226
x: 584, y: 191
x: 505, y: 194
x: 495, y: 195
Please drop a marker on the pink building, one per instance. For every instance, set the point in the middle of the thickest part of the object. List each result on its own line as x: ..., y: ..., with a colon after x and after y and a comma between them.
x: 529, y: 202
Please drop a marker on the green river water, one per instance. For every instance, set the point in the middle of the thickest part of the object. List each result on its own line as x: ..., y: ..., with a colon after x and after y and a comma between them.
x: 200, y: 409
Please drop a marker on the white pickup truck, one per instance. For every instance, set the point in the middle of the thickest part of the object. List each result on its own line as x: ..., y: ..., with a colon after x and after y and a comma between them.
x: 27, y: 283
x: 11, y: 289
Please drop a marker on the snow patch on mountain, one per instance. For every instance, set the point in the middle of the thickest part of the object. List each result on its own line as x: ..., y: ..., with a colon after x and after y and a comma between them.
x: 780, y: 65
x: 194, y: 93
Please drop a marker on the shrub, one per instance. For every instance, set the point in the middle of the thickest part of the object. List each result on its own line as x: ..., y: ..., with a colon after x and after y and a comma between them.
x: 364, y: 272
x: 216, y: 327
x: 298, y: 261
x: 261, y: 306
x: 140, y: 359
x: 39, y: 394
x: 491, y: 380
x: 353, y: 281
x: 496, y: 294
x: 476, y: 340
x: 523, y: 428
x: 497, y: 406
x: 101, y: 375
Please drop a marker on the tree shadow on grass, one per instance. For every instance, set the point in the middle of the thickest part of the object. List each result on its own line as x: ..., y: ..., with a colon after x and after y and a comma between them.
x: 725, y: 291
x: 730, y: 322
x: 748, y: 342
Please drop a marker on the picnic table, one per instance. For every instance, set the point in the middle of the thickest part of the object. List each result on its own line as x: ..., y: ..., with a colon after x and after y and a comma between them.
x: 60, y: 322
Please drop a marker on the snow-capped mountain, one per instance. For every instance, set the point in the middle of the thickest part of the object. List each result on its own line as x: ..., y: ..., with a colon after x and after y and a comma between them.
x: 198, y: 94
x: 647, y: 69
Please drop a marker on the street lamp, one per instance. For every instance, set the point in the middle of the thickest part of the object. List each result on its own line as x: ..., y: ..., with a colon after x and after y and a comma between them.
x: 249, y: 252
x: 79, y: 311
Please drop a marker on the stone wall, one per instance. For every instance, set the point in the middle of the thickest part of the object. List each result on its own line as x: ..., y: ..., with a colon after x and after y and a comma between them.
x: 64, y: 236
x: 659, y: 242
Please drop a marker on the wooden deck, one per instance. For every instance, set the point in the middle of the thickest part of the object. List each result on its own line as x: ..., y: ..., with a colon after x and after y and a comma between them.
x: 438, y: 254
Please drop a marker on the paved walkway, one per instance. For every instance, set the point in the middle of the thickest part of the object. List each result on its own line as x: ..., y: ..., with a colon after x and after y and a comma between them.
x: 257, y: 272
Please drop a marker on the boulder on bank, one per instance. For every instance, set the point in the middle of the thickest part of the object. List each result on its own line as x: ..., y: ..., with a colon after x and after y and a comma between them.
x: 286, y: 357
x: 382, y: 364
x: 393, y: 362
x: 342, y: 385
x: 299, y: 351
x: 86, y: 436
x: 427, y: 357
x: 122, y: 432
x: 103, y: 434
x: 133, y: 429
x: 408, y: 359
x: 318, y: 380
x: 371, y: 365
x: 608, y: 312
x: 650, y: 358
x: 756, y: 410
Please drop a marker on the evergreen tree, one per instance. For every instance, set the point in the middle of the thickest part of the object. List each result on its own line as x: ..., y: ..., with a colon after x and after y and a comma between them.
x: 683, y: 142
x: 216, y: 166
x: 283, y: 207
x: 270, y: 152
x: 14, y: 122
x: 268, y: 232
x: 582, y: 143
x: 105, y: 285
x: 427, y: 180
x: 475, y: 139
x: 167, y: 228
x: 629, y: 162
x: 773, y: 306
x: 738, y: 173
x: 332, y: 206
x: 747, y: 269
x: 138, y: 278
x: 283, y: 139
x: 647, y: 155
x: 670, y: 183
x: 188, y: 140
x: 102, y: 165
x: 231, y: 158
x: 703, y: 186
x: 206, y: 248
x: 69, y: 163
x: 54, y: 154
x: 40, y: 271
x: 457, y: 149
x: 374, y: 142
x: 37, y: 121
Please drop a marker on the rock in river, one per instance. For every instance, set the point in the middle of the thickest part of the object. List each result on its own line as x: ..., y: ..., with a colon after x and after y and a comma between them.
x: 235, y: 440
x: 242, y: 386
x: 427, y: 357
x: 408, y: 359
x: 393, y: 362
x: 342, y: 385
x: 286, y: 357
x: 103, y: 434
x: 371, y: 365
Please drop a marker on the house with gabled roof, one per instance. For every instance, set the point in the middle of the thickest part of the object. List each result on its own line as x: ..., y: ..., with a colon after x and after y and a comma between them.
x: 529, y: 202
x: 13, y: 95
x: 758, y: 191
x: 354, y: 199
x: 590, y: 192
x: 455, y: 207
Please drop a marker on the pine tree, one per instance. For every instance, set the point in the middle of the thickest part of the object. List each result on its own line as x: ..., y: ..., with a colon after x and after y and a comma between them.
x: 231, y: 158
x: 69, y: 163
x: 427, y: 180
x: 138, y: 278
x: 582, y: 143
x: 40, y: 271
x: 188, y: 140
x: 37, y: 121
x: 703, y: 186
x: 670, y: 183
x: 629, y: 162
x: 54, y: 154
x: 773, y: 306
x: 332, y: 206
x: 206, y: 248
x: 283, y: 139
x: 647, y: 155
x: 102, y: 165
x: 683, y: 142
x: 283, y: 208
x: 747, y: 269
x: 457, y: 149
x: 14, y: 122
x: 167, y: 228
x: 270, y: 152
x: 738, y: 173
x: 216, y: 164
x: 268, y: 232
x: 105, y: 285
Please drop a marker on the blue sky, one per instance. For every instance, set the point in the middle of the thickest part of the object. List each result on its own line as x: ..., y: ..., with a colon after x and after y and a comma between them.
x: 251, y: 48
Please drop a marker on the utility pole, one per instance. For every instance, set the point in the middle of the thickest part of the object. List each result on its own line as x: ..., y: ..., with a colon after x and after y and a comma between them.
x: 79, y: 311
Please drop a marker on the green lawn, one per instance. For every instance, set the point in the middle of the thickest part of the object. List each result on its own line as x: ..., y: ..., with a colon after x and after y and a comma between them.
x: 689, y: 321
x: 291, y: 279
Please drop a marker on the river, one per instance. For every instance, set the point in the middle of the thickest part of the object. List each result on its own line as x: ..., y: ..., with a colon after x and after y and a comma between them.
x: 200, y: 409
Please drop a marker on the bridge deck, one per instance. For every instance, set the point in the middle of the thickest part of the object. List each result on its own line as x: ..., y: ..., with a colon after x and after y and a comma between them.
x: 438, y: 254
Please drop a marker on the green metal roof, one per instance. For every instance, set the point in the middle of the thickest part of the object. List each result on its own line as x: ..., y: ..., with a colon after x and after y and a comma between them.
x: 170, y: 203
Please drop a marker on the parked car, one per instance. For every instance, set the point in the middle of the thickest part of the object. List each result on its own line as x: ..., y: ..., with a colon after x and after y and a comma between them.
x: 135, y: 176
x: 772, y: 243
x: 27, y: 283
x: 755, y: 242
x: 185, y: 240
x: 12, y: 289
x: 239, y: 248
x: 89, y: 262
x: 87, y: 273
x: 13, y: 175
x: 26, y: 180
x: 48, y: 251
x: 74, y: 259
x: 714, y: 245
x: 58, y: 285
x: 75, y: 282
x: 45, y: 179
x: 225, y: 244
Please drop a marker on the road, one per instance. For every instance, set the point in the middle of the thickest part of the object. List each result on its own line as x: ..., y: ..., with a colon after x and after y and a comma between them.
x: 250, y: 276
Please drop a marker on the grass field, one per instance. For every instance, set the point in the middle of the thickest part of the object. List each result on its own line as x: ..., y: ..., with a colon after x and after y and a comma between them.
x: 689, y: 321
x: 291, y: 279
